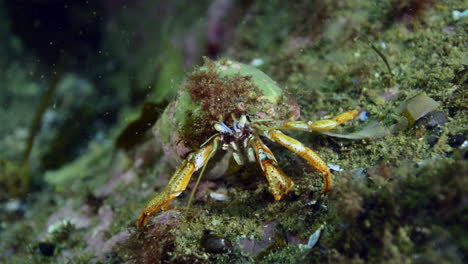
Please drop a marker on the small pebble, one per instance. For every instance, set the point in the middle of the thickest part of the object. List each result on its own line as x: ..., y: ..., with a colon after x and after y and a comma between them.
x: 432, y: 140
x: 435, y: 119
x: 456, y: 140
x: 113, y: 258
x: 215, y: 244
x: 47, y: 249
x: 363, y: 116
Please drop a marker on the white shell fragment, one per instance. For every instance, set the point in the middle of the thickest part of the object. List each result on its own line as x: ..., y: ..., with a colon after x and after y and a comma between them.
x: 334, y: 167
x: 313, y: 239
x: 456, y: 15
x: 256, y: 62
x: 363, y: 116
x: 218, y: 196
x: 12, y: 205
x: 465, y: 144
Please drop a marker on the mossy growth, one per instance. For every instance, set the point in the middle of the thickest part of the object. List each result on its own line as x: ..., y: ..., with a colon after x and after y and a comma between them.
x: 397, y: 215
x: 152, y: 244
x: 220, y: 97
x: 15, y: 179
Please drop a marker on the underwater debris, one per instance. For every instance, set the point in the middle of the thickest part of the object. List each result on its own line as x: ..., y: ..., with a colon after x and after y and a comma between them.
x: 372, y: 130
x: 135, y: 132
x: 45, y: 102
x: 383, y: 57
x: 417, y: 107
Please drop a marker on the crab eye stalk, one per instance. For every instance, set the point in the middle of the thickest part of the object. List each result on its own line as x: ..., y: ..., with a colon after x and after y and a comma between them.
x: 222, y: 128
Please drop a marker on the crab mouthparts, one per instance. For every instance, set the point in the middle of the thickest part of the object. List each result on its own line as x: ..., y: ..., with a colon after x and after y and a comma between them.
x: 237, y: 137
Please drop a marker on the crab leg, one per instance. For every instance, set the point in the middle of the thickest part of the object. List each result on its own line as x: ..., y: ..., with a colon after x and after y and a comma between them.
x: 306, y: 153
x: 321, y: 125
x: 279, y: 183
x: 180, y: 179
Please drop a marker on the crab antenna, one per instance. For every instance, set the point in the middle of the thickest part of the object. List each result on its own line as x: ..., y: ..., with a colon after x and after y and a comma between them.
x: 262, y: 120
x: 242, y: 121
x: 236, y: 126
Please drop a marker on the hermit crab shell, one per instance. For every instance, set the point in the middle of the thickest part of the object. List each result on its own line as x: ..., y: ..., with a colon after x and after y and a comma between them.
x: 218, y: 91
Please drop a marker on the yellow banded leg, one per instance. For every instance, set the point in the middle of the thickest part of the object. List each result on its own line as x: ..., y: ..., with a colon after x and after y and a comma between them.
x: 321, y: 125
x: 279, y: 183
x: 340, y: 119
x: 306, y: 153
x: 179, y: 180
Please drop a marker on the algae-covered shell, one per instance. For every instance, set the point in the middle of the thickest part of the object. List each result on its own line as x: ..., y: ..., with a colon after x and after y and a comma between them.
x: 217, y: 91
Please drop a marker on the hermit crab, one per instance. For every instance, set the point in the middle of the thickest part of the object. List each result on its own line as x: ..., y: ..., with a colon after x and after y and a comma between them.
x: 229, y: 106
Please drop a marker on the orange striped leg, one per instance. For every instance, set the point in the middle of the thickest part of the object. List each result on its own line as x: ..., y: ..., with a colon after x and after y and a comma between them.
x: 321, y: 125
x: 279, y: 183
x: 306, y: 153
x: 179, y: 180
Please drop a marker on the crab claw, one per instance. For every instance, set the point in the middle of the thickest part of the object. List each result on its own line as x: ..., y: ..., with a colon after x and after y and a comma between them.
x: 306, y: 153
x: 179, y: 180
x: 279, y: 183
